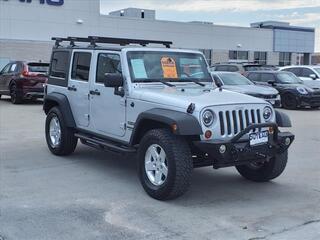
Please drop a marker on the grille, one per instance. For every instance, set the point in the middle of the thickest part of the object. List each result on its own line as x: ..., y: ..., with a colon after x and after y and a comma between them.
x: 234, y: 121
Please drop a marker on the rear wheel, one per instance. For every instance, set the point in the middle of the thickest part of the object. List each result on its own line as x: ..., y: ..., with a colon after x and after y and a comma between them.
x: 15, y: 96
x: 60, y: 138
x: 165, y: 164
x: 265, y: 171
x: 289, y: 101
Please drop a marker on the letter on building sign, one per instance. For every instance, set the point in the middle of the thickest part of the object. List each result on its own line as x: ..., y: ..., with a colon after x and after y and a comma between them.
x: 49, y: 2
x: 55, y: 2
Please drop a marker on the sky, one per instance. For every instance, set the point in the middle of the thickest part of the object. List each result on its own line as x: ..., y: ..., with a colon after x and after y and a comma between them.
x: 227, y: 12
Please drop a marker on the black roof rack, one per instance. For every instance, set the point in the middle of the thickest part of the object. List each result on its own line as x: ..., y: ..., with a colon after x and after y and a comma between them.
x: 93, y: 40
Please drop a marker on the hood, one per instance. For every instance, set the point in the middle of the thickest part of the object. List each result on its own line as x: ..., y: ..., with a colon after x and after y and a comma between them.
x: 252, y: 89
x: 201, y: 97
x: 291, y: 86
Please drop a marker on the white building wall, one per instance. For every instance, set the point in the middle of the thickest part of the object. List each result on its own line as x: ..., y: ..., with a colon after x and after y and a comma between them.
x: 33, y: 21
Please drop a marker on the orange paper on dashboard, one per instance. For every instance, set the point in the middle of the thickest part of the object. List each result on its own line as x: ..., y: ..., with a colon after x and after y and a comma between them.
x: 169, y: 67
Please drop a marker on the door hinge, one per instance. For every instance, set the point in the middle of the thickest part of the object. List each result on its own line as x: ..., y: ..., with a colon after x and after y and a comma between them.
x: 123, y: 126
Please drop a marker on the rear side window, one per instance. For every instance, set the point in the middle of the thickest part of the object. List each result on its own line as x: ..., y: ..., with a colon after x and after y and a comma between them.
x: 13, y: 68
x: 254, y: 77
x: 296, y: 71
x: 59, y: 64
x: 306, y: 72
x: 81, y: 66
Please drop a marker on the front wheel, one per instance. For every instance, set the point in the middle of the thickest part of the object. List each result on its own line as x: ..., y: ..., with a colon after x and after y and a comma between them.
x: 165, y: 164
x: 60, y: 138
x: 265, y: 171
x: 289, y: 101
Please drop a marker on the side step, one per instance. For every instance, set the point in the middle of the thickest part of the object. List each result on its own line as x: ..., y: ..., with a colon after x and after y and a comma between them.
x: 103, y: 144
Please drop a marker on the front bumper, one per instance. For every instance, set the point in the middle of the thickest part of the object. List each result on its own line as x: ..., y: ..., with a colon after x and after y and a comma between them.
x: 238, y: 150
x: 310, y: 101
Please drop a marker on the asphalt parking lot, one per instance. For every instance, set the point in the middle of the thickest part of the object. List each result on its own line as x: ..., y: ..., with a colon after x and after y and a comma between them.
x: 97, y: 195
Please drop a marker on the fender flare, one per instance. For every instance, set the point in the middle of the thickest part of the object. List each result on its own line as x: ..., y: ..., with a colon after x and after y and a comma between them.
x: 187, y: 124
x: 282, y: 119
x: 60, y: 100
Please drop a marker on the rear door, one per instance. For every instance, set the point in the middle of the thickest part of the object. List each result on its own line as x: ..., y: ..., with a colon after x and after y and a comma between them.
x: 78, y: 86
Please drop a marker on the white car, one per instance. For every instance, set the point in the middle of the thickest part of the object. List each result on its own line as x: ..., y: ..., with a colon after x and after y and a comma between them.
x: 309, y: 74
x: 161, y: 104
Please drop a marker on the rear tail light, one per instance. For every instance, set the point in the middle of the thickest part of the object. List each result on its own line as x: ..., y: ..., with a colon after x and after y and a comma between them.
x: 26, y: 73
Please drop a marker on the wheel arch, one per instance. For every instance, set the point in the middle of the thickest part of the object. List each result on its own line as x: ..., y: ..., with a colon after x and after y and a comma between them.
x: 59, y: 100
x: 179, y: 123
x: 282, y: 119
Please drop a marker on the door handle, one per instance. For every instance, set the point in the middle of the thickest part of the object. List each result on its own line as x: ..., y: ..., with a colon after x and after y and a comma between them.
x: 94, y: 92
x: 72, y: 88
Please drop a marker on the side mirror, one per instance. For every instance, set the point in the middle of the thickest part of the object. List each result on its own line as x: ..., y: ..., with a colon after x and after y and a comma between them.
x: 272, y: 82
x: 113, y: 80
x: 313, y: 76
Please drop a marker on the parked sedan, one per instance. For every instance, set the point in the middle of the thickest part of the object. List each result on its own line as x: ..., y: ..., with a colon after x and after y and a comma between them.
x: 237, y: 83
x: 309, y: 74
x: 21, y: 80
x: 294, y: 93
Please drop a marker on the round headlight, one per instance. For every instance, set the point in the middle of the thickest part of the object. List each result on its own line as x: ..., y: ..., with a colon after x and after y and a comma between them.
x: 267, y: 113
x: 207, y: 118
x: 302, y: 90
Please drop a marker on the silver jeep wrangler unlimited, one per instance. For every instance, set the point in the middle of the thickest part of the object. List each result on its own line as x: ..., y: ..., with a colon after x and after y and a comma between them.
x: 160, y: 103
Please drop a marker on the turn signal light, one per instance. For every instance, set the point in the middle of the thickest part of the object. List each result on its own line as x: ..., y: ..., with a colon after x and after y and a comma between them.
x: 208, y: 134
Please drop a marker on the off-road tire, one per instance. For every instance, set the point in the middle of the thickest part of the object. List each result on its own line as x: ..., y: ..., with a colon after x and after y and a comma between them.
x: 68, y: 141
x: 179, y: 162
x: 268, y: 171
x: 289, y: 101
x: 15, y: 96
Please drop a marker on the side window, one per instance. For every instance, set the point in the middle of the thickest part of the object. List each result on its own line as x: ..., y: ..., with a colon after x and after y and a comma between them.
x: 6, y: 69
x: 107, y: 63
x: 306, y: 72
x: 81, y: 66
x: 59, y: 64
x: 296, y: 71
x: 13, y: 68
x: 233, y: 69
x: 265, y: 77
x: 254, y: 77
x: 222, y: 68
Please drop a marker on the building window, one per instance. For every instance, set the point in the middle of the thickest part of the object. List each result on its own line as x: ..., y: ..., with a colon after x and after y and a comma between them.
x: 260, y: 58
x: 284, y: 59
x: 208, y: 55
x: 238, y: 55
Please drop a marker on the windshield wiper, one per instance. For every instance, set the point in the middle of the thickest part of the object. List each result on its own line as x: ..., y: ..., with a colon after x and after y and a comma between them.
x: 194, y: 81
x: 158, y: 80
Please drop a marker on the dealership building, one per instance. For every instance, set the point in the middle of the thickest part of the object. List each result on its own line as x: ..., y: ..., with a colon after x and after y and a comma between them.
x: 26, y: 28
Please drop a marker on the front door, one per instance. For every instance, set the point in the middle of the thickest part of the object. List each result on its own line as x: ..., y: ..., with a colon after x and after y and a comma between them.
x: 4, y: 79
x: 78, y: 86
x: 107, y: 110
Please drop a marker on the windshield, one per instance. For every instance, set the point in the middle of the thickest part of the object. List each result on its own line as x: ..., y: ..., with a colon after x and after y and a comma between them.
x: 317, y: 70
x: 153, y: 66
x: 288, y: 77
x: 234, y: 79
